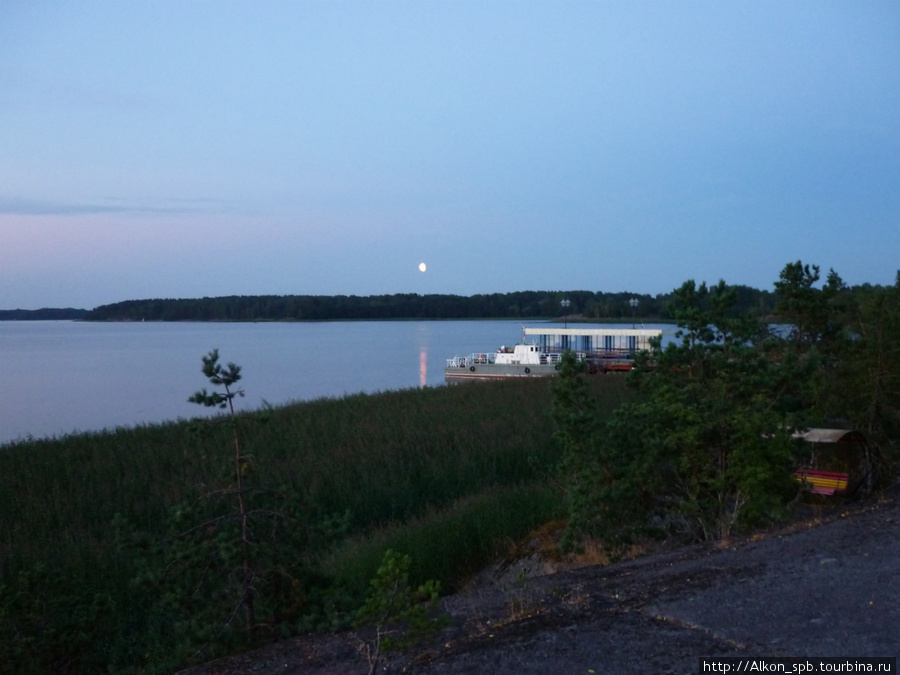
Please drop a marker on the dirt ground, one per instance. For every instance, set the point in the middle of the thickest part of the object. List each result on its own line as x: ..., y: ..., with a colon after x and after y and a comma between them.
x: 826, y: 586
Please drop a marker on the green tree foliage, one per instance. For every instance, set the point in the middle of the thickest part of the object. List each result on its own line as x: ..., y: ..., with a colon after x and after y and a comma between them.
x: 806, y: 308
x: 397, y: 614
x: 703, y: 449
x: 523, y: 304
x: 46, y: 625
x: 574, y: 412
x: 869, y: 374
x: 228, y: 378
x: 849, y: 341
x: 46, y: 314
x: 705, y: 446
x: 229, y: 573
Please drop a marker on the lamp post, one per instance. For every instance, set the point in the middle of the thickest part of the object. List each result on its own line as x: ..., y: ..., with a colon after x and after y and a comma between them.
x: 634, y: 303
x: 565, y: 305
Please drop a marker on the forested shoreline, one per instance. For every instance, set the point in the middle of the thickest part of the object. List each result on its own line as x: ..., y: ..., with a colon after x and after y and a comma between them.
x: 586, y: 305
x: 44, y: 314
x: 522, y: 304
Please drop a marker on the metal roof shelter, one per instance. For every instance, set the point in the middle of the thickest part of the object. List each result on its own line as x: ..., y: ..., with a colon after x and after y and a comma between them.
x: 830, y: 436
x: 843, y: 450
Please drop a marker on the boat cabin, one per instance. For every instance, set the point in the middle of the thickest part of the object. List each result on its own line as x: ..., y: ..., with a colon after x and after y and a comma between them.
x: 527, y: 354
x: 601, y: 342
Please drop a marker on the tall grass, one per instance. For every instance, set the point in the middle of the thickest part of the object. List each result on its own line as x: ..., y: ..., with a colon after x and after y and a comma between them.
x: 442, y: 473
x: 452, y: 544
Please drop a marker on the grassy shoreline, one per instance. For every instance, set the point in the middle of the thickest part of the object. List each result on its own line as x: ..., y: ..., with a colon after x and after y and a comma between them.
x: 449, y: 474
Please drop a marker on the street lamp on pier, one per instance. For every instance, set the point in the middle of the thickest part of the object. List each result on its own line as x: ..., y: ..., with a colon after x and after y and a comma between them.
x: 634, y: 303
x: 565, y: 305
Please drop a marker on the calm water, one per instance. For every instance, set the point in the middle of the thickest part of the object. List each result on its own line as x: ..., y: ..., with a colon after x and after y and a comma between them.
x: 61, y: 377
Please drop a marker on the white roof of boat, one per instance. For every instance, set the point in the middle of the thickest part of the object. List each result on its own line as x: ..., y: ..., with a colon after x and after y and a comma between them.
x: 643, y: 332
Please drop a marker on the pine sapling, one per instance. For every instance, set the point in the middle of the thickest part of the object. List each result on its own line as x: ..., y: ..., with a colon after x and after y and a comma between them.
x: 228, y: 377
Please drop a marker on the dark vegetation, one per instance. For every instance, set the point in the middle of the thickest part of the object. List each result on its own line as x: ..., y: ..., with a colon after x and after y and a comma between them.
x: 118, y: 549
x: 140, y: 550
x: 46, y: 314
x: 706, y: 447
x: 530, y: 304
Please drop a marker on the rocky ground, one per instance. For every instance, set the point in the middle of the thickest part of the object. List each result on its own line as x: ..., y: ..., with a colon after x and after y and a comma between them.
x: 828, y: 585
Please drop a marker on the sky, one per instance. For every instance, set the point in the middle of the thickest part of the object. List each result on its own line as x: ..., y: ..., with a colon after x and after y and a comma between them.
x: 174, y: 149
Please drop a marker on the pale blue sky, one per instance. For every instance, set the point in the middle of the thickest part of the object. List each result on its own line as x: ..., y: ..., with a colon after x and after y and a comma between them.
x: 187, y: 148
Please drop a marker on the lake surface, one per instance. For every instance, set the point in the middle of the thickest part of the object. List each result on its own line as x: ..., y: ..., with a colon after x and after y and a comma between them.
x: 59, y: 377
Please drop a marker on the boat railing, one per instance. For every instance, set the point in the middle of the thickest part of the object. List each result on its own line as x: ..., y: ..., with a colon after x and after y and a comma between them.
x: 610, y: 354
x: 480, y: 358
x: 593, y: 354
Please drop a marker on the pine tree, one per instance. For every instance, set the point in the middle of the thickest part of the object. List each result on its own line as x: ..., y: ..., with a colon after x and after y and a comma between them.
x: 704, y: 447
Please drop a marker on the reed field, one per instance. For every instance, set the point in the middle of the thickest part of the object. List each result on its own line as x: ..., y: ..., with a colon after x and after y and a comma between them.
x: 448, y: 475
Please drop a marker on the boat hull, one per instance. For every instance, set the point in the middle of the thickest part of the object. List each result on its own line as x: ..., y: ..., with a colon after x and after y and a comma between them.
x: 498, y: 371
x: 495, y: 371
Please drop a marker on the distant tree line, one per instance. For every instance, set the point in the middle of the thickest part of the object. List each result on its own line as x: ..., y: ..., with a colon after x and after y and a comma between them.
x: 523, y: 304
x: 46, y: 314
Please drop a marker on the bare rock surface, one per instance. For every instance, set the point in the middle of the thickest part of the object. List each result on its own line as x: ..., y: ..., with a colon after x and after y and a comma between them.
x: 827, y: 586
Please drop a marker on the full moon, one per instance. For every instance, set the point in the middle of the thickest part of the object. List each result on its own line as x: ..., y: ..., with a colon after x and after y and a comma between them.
x: 422, y: 267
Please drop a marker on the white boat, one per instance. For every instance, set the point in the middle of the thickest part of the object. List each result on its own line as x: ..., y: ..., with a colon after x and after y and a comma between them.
x: 604, y: 349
